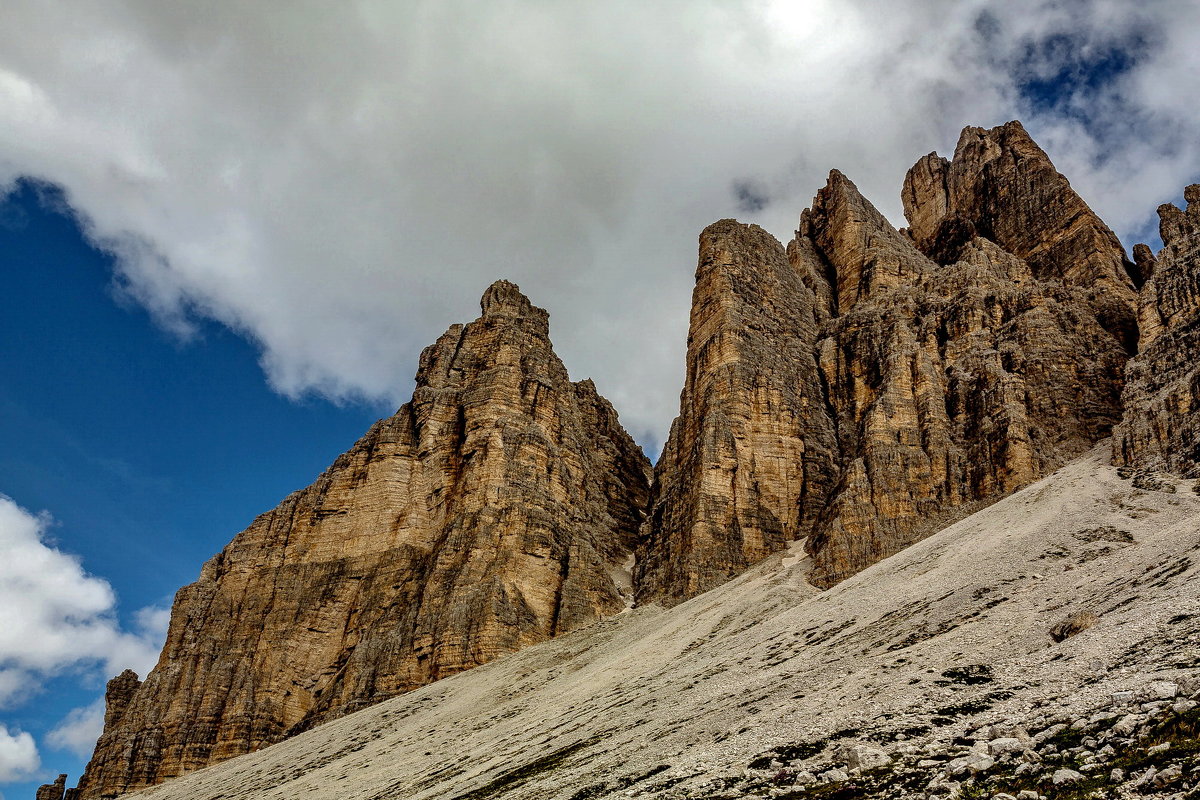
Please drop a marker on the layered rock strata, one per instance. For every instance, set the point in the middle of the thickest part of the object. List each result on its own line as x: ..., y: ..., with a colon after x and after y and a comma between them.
x: 1161, y: 426
x: 54, y: 791
x: 871, y: 384
x: 750, y: 462
x: 493, y: 511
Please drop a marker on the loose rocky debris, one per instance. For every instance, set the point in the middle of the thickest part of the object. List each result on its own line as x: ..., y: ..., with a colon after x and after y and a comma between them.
x: 1149, y: 480
x: 741, y: 691
x: 1138, y: 744
x: 1078, y: 622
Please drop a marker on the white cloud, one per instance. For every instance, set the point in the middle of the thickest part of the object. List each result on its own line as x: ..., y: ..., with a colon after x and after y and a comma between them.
x: 18, y: 755
x: 78, y: 731
x: 54, y: 615
x: 339, y: 182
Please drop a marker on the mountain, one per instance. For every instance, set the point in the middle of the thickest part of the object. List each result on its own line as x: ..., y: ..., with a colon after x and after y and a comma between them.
x: 891, y: 465
x: 1161, y: 427
x: 765, y: 681
x: 497, y: 509
x: 867, y: 386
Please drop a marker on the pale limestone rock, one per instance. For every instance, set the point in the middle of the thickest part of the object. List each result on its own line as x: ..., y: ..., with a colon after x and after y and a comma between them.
x: 486, y: 515
x: 749, y: 461
x: 859, y: 394
x: 1002, y: 186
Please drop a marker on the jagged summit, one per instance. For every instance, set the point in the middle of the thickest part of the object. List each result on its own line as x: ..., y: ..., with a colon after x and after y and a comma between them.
x: 1161, y: 426
x: 867, y: 255
x: 504, y: 298
x: 860, y: 390
x: 1002, y: 186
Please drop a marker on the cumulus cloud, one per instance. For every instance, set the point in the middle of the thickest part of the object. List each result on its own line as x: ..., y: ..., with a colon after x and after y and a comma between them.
x: 78, y: 731
x: 18, y: 755
x: 55, y: 616
x: 339, y: 182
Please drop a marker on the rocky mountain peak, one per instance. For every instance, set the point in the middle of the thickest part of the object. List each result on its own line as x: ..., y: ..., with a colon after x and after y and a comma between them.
x: 497, y: 509
x: 1176, y: 227
x: 504, y: 299
x: 867, y: 385
x: 1001, y: 185
x: 865, y: 252
x: 1160, y: 428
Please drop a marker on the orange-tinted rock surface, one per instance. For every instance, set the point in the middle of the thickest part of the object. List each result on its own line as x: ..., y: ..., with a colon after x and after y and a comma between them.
x: 1002, y: 186
x: 749, y: 461
x: 493, y: 511
x: 954, y: 363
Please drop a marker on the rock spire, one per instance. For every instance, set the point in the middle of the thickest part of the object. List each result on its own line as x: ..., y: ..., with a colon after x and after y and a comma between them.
x: 875, y: 384
x: 495, y: 510
x: 1161, y: 426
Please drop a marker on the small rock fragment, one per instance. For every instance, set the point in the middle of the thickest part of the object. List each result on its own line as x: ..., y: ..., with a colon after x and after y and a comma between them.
x: 1063, y: 777
x: 1075, y: 623
x: 862, y: 756
x: 834, y: 776
x: 1164, y: 690
x: 1168, y: 775
x: 1006, y: 745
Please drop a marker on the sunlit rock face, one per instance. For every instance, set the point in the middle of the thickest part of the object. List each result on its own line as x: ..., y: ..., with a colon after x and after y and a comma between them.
x: 750, y: 460
x: 1002, y: 186
x: 495, y: 510
x: 867, y: 385
x: 852, y: 393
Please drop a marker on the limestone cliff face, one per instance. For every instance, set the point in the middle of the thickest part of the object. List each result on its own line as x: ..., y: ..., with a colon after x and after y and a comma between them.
x: 878, y: 382
x: 1002, y: 186
x: 950, y: 388
x: 491, y: 512
x: 1161, y: 427
x: 749, y: 462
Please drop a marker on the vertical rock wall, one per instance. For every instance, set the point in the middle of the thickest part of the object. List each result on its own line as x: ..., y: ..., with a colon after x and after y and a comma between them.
x: 749, y: 462
x: 1161, y: 427
x: 954, y: 363
x: 490, y: 513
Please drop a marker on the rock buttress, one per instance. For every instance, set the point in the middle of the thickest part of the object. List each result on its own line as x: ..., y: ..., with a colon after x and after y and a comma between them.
x: 950, y: 388
x: 1161, y: 427
x: 1002, y: 186
x: 954, y: 363
x: 487, y: 514
x: 749, y: 460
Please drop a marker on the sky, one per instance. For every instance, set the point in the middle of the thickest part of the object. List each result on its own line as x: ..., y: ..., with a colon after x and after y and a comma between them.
x: 228, y: 230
